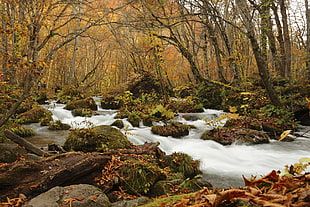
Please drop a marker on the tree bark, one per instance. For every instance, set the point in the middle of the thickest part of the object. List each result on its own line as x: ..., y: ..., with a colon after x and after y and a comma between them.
x: 24, y: 143
x: 258, y: 53
x: 308, y: 38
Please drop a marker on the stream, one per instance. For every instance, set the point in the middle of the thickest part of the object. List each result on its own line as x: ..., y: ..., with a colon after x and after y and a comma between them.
x: 222, y: 166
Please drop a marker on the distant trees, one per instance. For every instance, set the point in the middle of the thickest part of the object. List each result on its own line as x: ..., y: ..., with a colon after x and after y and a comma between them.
x: 34, y: 31
x: 98, y: 44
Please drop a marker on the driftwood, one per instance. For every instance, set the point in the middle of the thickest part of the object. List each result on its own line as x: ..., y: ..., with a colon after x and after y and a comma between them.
x: 34, y: 177
x: 24, y: 143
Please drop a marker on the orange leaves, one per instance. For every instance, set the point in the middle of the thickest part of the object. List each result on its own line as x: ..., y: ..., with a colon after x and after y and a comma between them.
x: 270, y: 190
x: 70, y: 200
x: 14, y: 202
x: 109, y: 172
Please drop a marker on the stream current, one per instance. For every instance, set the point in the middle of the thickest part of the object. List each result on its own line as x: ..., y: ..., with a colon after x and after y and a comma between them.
x: 222, y: 166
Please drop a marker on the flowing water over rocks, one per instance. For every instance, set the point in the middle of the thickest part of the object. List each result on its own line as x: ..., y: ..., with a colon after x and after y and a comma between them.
x: 222, y: 166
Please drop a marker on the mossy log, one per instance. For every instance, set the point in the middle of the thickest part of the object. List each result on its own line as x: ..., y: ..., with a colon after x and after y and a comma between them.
x: 24, y: 143
x: 34, y: 177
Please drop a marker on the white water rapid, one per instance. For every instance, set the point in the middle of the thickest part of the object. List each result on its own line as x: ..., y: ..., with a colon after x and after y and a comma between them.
x: 222, y: 165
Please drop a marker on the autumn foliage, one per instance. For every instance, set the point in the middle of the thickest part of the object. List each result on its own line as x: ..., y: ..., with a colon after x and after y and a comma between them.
x: 270, y: 190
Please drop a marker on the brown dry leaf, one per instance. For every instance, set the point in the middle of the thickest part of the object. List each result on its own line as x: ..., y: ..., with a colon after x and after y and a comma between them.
x: 265, y: 203
x: 228, y: 195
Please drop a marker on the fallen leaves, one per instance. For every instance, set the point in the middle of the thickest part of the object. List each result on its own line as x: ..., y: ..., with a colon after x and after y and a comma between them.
x: 271, y: 190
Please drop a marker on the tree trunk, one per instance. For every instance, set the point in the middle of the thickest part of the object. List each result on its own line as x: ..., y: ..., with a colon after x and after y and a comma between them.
x: 308, y: 38
x: 258, y: 53
x: 287, y: 40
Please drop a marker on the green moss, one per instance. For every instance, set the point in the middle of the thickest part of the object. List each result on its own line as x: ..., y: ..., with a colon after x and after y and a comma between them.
x: 99, y: 138
x: 166, y: 200
x: 22, y: 131
x: 182, y: 163
x: 139, y: 176
x: 34, y: 115
x: 87, y: 103
x: 134, y: 119
x: 58, y: 125
x: 83, y: 112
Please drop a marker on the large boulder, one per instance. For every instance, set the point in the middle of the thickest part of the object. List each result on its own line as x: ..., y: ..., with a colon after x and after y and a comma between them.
x: 99, y: 138
x: 87, y: 103
x: 34, y: 115
x: 82, y: 195
x: 227, y: 136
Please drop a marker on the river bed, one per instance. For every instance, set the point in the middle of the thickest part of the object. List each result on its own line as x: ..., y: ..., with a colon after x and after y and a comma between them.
x: 222, y: 166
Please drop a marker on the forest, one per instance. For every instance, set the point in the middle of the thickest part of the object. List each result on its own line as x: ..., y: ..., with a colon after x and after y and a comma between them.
x: 151, y: 60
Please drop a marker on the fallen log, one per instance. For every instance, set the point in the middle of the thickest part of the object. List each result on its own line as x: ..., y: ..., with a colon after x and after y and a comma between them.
x: 24, y: 143
x: 34, y: 177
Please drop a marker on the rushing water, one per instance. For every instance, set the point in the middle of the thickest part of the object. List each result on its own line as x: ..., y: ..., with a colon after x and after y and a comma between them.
x: 222, y: 165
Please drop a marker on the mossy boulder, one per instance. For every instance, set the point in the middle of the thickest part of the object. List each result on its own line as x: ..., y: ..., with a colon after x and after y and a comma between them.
x: 110, y: 102
x: 99, y: 138
x: 118, y: 123
x: 271, y: 125
x: 139, y: 175
x: 87, y: 103
x: 34, y: 115
x: 83, y: 112
x: 174, y: 129
x: 134, y: 119
x: 58, y: 125
x: 182, y: 163
x: 227, y: 136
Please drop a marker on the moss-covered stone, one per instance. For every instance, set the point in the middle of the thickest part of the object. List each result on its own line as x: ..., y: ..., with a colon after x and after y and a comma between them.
x: 58, y: 125
x: 118, y: 123
x: 34, y: 115
x: 83, y: 112
x: 140, y: 175
x: 99, y: 138
x: 134, y: 119
x: 182, y: 163
x: 227, y: 136
x: 174, y: 129
x: 110, y: 102
x: 87, y: 103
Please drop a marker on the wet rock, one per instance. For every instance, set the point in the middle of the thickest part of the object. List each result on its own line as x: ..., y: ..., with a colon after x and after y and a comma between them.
x: 183, y: 164
x: 83, y: 112
x: 134, y: 119
x: 227, y: 136
x: 174, y: 129
x: 303, y: 116
x: 110, y: 102
x: 131, y: 203
x: 99, y: 138
x: 87, y: 103
x: 118, y: 123
x: 81, y: 195
x: 188, y: 117
x: 58, y: 125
